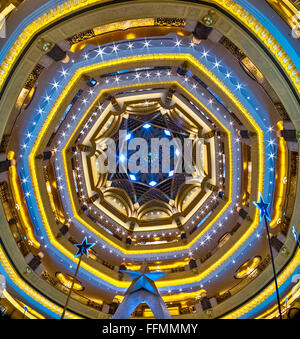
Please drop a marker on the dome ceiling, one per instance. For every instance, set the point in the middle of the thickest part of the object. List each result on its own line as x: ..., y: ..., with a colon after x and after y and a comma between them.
x: 150, y: 79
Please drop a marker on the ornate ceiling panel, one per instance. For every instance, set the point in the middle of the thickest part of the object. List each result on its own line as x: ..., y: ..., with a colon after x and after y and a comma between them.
x: 152, y: 140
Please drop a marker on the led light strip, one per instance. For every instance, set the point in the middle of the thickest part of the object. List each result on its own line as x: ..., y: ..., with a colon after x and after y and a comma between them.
x: 74, y: 210
x: 268, y: 292
x: 192, y: 60
x: 224, y: 89
x: 286, y: 302
x: 71, y: 6
x: 19, y: 307
x: 39, y: 199
x: 26, y: 289
x: 24, y: 216
x: 280, y: 176
x: 231, y: 3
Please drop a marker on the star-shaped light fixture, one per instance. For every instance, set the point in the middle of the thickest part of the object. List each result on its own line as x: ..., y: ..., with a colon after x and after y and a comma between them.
x: 83, y: 248
x: 142, y: 288
x: 263, y: 208
x: 143, y: 280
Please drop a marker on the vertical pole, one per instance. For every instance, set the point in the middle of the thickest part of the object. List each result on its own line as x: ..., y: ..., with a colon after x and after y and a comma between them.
x: 274, y: 269
x: 71, y: 289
